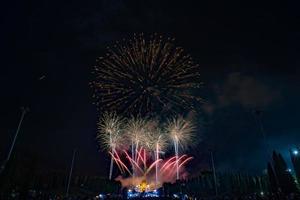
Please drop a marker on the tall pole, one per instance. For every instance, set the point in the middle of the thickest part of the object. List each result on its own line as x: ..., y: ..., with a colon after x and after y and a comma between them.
x: 257, y: 116
x: 71, y: 171
x: 214, y: 172
x: 24, y: 111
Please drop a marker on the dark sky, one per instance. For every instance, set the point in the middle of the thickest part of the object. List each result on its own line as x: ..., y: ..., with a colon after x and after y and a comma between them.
x: 248, y: 54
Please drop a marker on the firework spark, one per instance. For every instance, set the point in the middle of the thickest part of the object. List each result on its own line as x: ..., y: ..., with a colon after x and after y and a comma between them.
x: 110, y: 135
x: 153, y: 175
x: 135, y: 131
x: 181, y: 132
x: 143, y: 143
x: 110, y: 131
x: 146, y: 76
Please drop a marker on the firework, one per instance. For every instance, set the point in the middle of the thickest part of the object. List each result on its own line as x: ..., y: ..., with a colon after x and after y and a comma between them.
x: 110, y: 134
x: 181, y: 132
x: 110, y: 131
x: 146, y: 76
x: 153, y: 175
x: 157, y: 142
x: 135, y: 131
x: 143, y: 142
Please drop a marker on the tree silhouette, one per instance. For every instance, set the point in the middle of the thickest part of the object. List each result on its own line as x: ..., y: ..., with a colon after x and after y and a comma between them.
x: 295, y: 158
x: 272, y: 179
x: 285, y: 179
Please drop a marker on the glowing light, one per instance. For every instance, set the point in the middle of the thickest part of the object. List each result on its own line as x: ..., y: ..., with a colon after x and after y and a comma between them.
x: 143, y: 186
x: 295, y: 152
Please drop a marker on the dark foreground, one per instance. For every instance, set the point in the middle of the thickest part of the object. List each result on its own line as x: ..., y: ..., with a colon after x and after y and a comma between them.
x: 14, y: 195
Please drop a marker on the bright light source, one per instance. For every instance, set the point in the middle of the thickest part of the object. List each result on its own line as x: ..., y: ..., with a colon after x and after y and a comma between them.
x: 295, y: 152
x: 262, y: 193
x: 288, y: 170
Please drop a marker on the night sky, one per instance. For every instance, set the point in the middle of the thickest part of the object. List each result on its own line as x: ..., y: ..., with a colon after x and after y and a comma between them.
x: 248, y: 55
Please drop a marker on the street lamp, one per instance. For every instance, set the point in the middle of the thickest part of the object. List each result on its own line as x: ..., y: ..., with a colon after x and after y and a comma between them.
x: 24, y: 111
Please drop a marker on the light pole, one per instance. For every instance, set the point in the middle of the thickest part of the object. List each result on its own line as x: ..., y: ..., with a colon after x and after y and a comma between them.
x: 70, y: 174
x: 257, y: 116
x: 214, y: 171
x: 24, y: 111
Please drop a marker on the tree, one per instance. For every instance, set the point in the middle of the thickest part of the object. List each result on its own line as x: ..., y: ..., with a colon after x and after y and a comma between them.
x: 284, y: 177
x: 272, y: 179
